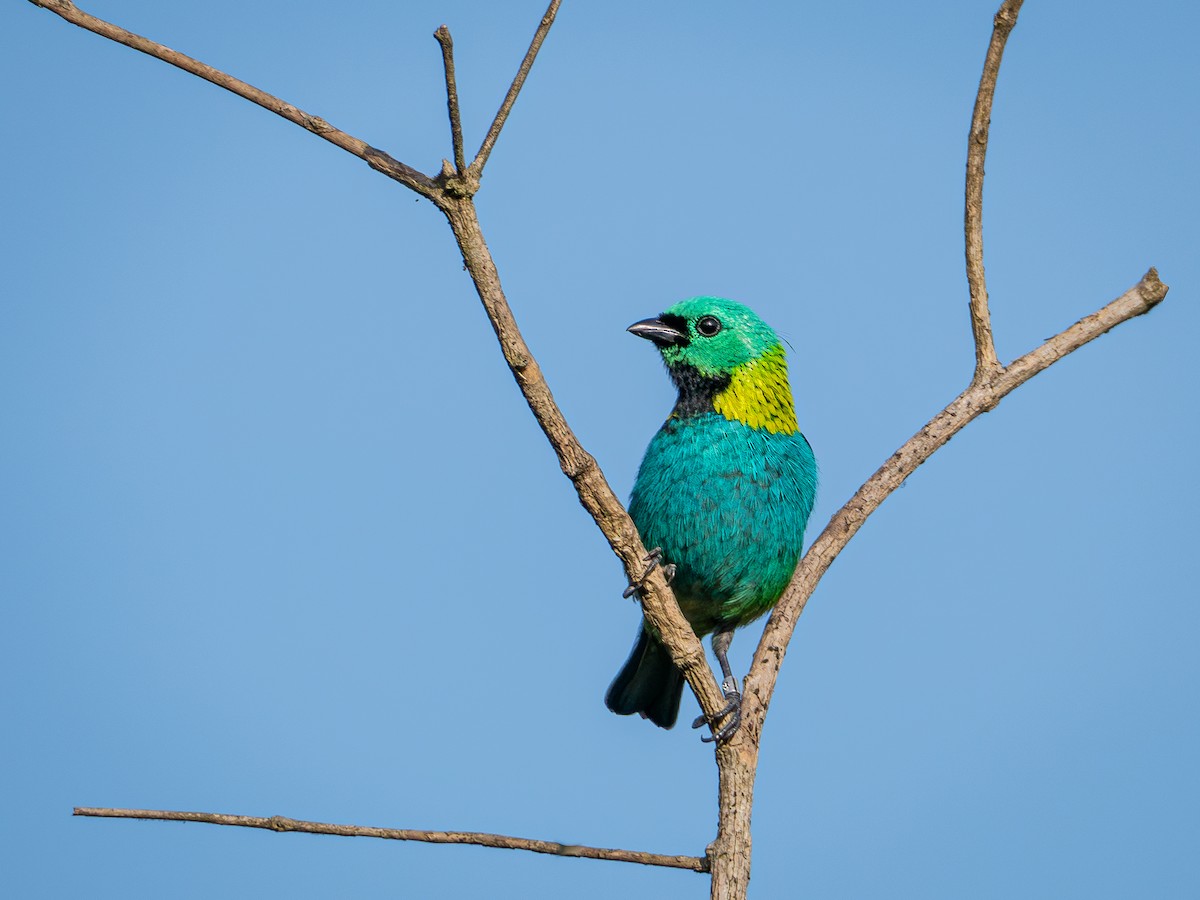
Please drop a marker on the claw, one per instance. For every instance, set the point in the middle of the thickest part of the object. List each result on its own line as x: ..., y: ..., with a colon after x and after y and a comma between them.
x: 652, y: 559
x: 732, y: 711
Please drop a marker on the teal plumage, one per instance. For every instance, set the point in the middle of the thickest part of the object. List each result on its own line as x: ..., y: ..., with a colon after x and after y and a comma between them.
x: 725, y: 489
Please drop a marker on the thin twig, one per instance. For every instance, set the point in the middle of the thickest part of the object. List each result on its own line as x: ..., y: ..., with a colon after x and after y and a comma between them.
x: 986, y: 362
x: 489, y: 141
x: 482, y: 839
x: 376, y: 159
x: 975, y: 400
x: 456, y: 135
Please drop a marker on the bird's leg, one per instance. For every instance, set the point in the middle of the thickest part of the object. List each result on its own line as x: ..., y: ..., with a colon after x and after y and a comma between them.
x: 721, y: 640
x: 652, y: 559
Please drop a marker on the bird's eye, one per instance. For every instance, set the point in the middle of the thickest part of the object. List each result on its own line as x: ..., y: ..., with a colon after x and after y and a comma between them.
x: 708, y: 326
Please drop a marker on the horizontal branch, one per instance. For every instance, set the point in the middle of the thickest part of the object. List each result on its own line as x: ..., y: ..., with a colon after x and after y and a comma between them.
x: 376, y: 159
x: 977, y: 399
x: 482, y: 839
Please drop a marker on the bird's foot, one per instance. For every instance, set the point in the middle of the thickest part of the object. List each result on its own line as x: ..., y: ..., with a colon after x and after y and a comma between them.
x: 731, y: 712
x: 652, y: 560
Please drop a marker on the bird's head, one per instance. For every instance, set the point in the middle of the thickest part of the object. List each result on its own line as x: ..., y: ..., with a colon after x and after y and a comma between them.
x: 711, y: 335
x: 724, y: 359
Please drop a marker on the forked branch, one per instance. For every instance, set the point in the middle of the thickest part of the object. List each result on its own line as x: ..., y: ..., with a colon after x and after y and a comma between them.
x: 990, y: 384
x: 451, y: 193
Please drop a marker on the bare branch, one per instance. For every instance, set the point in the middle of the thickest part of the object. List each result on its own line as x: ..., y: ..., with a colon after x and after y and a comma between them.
x: 376, y: 159
x: 979, y: 398
x: 456, y: 136
x: 482, y: 839
x: 986, y: 362
x: 489, y: 141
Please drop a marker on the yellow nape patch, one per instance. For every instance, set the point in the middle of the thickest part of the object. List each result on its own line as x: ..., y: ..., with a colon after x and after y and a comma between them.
x: 759, y: 396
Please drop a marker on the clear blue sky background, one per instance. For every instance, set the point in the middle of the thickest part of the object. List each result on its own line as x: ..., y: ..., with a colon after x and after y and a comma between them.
x: 279, y: 536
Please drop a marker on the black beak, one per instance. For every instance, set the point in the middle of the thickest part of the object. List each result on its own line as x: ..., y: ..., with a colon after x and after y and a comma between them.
x: 658, y: 331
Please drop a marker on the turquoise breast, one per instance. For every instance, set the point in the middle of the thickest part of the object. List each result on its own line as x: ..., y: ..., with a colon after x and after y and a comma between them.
x: 727, y: 503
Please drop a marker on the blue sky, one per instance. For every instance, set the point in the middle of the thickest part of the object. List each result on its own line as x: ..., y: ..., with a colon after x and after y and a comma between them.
x: 279, y: 535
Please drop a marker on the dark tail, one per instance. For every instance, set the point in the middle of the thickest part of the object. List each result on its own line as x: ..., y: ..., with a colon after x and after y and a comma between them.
x: 648, y: 684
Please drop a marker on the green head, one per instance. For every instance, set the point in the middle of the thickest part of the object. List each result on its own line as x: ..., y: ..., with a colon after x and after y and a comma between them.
x: 724, y: 359
x: 711, y: 335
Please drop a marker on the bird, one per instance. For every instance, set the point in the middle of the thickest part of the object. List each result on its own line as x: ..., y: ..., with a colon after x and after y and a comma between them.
x: 723, y: 495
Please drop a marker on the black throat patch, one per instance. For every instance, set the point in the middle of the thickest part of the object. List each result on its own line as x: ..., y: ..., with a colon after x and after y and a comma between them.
x: 696, y: 391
